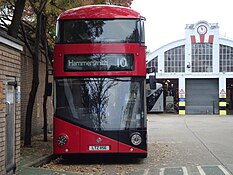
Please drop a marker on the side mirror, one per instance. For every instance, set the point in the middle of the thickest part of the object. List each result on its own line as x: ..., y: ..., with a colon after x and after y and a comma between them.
x: 152, y: 80
x: 150, y: 70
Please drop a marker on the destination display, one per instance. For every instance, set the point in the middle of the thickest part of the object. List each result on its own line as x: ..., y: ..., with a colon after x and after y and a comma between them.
x: 99, y: 62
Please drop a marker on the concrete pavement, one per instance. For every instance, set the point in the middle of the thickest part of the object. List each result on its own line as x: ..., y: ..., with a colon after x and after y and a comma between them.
x: 194, y: 140
x: 178, y: 145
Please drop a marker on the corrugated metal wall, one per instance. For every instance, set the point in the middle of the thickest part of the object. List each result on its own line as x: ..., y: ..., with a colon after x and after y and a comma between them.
x: 201, y: 96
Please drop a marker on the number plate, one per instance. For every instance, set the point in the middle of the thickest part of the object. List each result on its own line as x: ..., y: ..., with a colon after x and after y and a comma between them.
x: 99, y: 148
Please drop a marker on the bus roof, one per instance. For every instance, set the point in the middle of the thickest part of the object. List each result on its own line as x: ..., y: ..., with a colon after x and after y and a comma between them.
x: 99, y: 11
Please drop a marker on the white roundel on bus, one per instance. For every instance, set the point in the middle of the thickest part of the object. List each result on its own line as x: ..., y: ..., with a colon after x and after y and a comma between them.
x: 136, y: 139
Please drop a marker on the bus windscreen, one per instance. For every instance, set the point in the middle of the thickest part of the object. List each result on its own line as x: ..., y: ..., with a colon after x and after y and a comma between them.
x: 98, y: 31
x: 101, y: 103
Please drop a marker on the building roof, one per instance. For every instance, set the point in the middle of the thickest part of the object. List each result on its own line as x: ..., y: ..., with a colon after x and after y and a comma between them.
x: 10, y: 41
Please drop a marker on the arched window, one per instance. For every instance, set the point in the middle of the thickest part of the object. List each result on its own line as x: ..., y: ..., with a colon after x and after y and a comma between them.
x: 174, y: 59
x: 202, y: 57
x: 153, y: 63
x: 225, y: 58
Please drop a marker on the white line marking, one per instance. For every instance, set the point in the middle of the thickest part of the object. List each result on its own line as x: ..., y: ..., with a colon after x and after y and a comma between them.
x: 224, y: 170
x: 201, y: 170
x: 185, y: 171
x: 146, y: 171
x: 161, y: 171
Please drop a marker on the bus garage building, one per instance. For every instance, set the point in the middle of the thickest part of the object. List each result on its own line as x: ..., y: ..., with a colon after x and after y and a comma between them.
x: 197, y: 71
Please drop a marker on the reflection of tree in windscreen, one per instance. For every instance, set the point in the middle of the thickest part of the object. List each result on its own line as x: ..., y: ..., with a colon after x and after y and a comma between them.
x: 88, y: 30
x: 96, y: 97
x: 130, y: 107
x: 133, y: 36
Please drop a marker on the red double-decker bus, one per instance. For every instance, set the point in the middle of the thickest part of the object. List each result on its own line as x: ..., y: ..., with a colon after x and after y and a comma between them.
x: 100, y: 74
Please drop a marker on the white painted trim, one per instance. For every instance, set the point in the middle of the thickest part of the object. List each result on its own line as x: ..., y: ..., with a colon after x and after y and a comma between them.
x: 185, y: 171
x: 146, y: 171
x: 11, y: 43
x: 223, y: 170
x: 201, y: 171
x: 162, y: 171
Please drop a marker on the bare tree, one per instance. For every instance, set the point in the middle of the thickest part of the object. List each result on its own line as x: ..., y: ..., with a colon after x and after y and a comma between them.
x: 35, y: 81
x: 15, y: 23
x: 47, y: 63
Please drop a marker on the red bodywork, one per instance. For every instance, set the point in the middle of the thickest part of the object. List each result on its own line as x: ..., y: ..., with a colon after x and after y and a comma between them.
x: 79, y: 139
x: 100, y: 11
x: 138, y: 51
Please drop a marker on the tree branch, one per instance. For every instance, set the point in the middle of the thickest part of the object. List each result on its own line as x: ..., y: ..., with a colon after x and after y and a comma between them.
x: 11, y: 3
x: 5, y: 15
x: 53, y: 4
x: 42, y: 6
x: 33, y: 7
x: 31, y: 27
x: 26, y: 39
x: 4, y: 23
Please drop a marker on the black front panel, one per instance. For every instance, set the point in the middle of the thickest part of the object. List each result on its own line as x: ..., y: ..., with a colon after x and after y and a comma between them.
x: 125, y: 137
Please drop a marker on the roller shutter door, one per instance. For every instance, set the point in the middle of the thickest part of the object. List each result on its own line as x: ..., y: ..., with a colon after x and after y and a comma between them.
x: 201, y: 96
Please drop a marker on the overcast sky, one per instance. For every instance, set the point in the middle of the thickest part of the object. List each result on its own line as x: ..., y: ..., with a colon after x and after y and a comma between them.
x: 166, y: 19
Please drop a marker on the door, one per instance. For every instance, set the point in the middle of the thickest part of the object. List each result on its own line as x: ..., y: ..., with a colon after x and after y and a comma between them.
x: 201, y: 96
x: 10, y: 126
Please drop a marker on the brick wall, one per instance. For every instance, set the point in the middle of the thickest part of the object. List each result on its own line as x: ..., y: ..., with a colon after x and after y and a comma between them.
x: 18, y: 64
x: 26, y: 79
x: 10, y: 65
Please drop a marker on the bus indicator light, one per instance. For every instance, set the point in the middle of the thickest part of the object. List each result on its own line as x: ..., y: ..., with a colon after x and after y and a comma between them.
x: 99, y: 140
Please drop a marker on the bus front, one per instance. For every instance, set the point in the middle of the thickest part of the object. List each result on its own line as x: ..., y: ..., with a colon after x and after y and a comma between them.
x: 99, y: 74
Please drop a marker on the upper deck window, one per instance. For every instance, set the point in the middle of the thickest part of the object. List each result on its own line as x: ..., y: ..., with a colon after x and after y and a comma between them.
x: 99, y: 31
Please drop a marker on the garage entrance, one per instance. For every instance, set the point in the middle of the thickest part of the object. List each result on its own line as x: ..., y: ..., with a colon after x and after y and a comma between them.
x: 201, y: 96
x: 229, y: 96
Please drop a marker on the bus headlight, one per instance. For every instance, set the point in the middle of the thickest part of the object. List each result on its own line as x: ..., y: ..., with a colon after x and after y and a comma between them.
x: 62, y: 140
x: 136, y: 138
